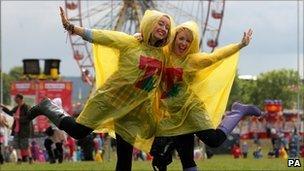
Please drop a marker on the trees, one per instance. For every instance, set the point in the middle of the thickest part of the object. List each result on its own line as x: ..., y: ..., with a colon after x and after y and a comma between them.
x: 277, y: 84
x: 14, y: 74
x: 242, y: 91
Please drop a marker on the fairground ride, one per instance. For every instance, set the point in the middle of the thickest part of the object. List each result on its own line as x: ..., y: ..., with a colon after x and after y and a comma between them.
x: 125, y: 16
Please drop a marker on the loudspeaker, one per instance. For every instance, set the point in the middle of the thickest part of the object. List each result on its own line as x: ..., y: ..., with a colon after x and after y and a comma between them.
x: 51, y: 64
x: 31, y: 67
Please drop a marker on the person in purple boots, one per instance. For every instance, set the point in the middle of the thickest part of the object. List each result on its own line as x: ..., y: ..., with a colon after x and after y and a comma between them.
x: 185, y: 107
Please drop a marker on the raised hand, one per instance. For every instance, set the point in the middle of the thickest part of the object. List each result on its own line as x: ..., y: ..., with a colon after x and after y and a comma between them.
x: 65, y: 22
x: 246, y: 38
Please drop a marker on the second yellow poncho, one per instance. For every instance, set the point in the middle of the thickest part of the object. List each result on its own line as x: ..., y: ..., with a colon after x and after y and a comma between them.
x: 199, y: 88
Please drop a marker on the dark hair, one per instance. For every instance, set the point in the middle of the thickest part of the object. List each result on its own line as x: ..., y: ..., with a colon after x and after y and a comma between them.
x: 49, y: 131
x: 20, y: 96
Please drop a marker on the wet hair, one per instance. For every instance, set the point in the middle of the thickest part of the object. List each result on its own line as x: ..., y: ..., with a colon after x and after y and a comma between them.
x: 20, y: 96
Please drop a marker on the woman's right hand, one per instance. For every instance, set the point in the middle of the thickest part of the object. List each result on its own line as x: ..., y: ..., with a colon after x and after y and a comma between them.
x: 65, y: 22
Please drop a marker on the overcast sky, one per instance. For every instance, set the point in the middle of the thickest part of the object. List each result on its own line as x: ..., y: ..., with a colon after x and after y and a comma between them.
x: 33, y: 30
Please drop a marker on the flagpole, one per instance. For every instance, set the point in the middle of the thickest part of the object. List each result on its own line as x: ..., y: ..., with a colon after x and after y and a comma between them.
x: 299, y: 107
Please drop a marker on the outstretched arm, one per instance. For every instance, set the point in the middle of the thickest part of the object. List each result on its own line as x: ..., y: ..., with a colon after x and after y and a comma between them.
x: 202, y: 60
x: 7, y: 111
x: 108, y: 38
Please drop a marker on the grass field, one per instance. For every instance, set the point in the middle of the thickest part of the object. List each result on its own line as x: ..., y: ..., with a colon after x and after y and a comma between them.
x: 218, y: 163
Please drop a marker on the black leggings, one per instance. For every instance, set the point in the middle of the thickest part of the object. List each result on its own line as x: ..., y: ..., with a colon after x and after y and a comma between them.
x: 184, y: 144
x: 212, y: 137
x: 124, y: 154
x: 78, y: 131
x: 74, y: 129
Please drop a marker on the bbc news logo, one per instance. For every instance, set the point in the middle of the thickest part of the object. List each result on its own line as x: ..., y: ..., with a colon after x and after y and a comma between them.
x: 294, y: 163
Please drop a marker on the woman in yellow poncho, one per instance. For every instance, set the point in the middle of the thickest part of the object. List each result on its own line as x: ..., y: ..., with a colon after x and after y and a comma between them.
x: 182, y: 103
x: 123, y: 103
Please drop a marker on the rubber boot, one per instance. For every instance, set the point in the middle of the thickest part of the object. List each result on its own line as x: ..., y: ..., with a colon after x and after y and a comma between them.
x: 49, y: 109
x: 191, y: 169
x: 233, y: 117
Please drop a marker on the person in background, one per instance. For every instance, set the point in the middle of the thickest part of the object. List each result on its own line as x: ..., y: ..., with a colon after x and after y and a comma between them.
x: 236, y: 151
x: 57, y: 137
x: 283, y: 153
x: 22, y: 126
x: 70, y: 144
x: 108, y: 146
x: 294, y: 144
x: 245, y: 149
x: 34, y: 150
x: 41, y: 157
x: 87, y: 147
x: 1, y: 148
x: 302, y: 150
x: 257, y: 154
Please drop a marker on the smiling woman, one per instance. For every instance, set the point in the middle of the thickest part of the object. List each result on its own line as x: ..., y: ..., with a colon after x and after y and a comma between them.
x: 279, y: 23
x: 182, y: 42
x: 123, y: 102
x: 161, y: 29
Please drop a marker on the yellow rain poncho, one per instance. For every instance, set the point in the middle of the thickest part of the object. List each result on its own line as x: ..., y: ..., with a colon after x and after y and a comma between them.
x: 127, y: 72
x: 195, y: 88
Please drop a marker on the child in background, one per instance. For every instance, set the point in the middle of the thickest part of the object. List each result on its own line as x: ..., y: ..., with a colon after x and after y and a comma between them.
x: 245, y: 149
x: 257, y: 154
x: 34, y: 150
x: 283, y: 153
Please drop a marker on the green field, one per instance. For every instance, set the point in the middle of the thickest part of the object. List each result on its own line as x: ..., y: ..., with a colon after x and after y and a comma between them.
x: 218, y: 162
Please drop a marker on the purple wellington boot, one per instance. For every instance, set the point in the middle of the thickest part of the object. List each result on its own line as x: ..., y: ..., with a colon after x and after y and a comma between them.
x: 233, y: 117
x: 191, y: 169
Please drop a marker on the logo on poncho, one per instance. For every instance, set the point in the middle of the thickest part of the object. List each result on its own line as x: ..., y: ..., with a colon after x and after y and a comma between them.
x: 152, y: 68
x: 171, y: 79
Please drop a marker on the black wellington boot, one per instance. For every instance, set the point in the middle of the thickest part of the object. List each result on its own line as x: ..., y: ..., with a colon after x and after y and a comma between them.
x: 49, y: 109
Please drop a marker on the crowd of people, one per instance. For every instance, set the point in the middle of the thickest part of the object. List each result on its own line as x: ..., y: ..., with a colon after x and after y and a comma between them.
x: 55, y: 146
x: 282, y: 146
x: 52, y: 145
x: 95, y: 147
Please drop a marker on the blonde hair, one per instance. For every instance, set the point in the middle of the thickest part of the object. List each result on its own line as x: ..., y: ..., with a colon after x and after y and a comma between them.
x: 183, y: 29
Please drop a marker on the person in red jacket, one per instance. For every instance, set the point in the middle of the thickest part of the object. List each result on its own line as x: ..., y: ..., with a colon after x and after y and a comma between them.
x: 70, y: 144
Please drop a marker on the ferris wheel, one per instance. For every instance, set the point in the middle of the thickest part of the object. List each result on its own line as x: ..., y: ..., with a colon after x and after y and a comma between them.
x: 125, y: 15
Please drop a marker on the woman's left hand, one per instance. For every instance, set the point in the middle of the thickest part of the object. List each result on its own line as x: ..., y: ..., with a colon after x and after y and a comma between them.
x: 246, y: 38
x: 138, y: 36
